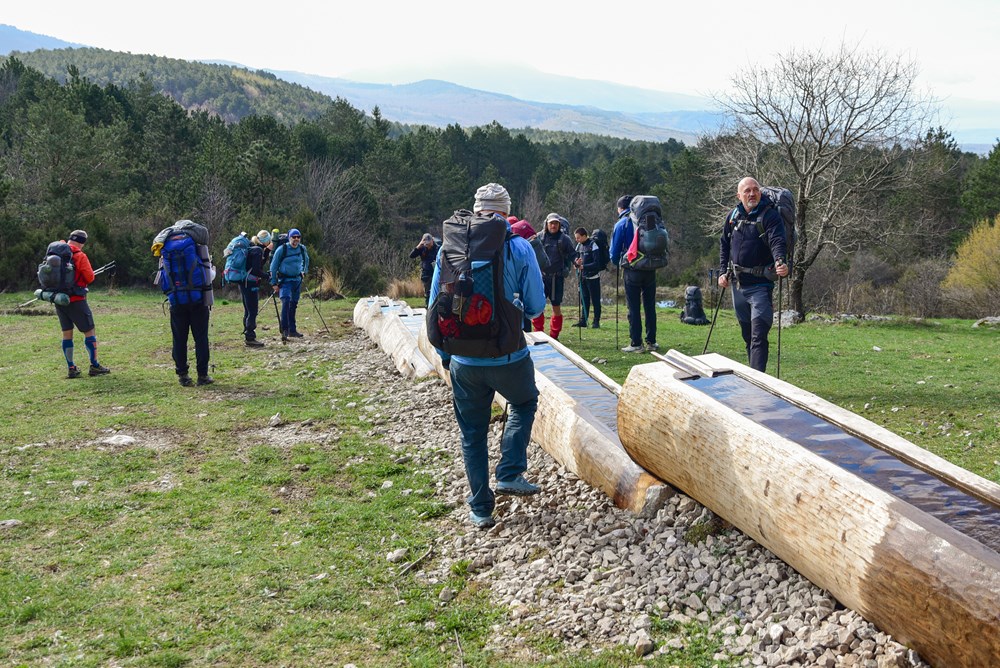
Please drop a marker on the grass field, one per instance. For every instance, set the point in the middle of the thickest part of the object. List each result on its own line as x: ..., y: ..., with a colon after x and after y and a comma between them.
x: 214, y: 541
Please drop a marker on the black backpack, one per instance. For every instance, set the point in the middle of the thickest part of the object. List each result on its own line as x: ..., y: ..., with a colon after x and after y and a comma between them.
x: 471, y: 315
x: 694, y: 312
x: 600, y: 237
x: 653, y: 238
x: 56, y: 273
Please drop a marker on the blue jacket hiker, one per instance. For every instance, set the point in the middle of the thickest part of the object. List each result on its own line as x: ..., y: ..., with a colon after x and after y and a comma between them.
x: 288, y: 266
x: 640, y: 285
x: 476, y: 379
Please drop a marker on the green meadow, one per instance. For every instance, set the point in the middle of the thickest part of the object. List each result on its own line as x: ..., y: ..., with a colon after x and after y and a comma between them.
x: 212, y: 541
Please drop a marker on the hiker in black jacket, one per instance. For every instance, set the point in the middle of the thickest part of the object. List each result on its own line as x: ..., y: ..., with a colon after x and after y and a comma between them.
x: 257, y: 254
x: 752, y: 252
x: 588, y: 262
x: 427, y: 251
x: 560, y: 252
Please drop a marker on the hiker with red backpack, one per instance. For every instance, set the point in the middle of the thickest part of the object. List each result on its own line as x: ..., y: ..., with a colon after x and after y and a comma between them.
x: 486, y: 280
x: 753, y: 252
x: 560, y: 253
x: 77, y: 312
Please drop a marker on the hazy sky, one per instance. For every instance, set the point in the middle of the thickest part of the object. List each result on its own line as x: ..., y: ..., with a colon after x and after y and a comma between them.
x: 685, y: 47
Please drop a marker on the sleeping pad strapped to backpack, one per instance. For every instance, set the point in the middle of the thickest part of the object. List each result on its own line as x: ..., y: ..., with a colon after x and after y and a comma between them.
x: 471, y: 315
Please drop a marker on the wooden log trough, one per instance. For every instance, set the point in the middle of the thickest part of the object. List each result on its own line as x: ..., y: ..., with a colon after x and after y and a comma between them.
x: 395, y: 326
x: 913, y: 574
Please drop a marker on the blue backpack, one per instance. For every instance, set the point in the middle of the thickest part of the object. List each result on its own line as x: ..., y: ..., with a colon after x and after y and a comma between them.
x: 185, y: 277
x: 235, y: 270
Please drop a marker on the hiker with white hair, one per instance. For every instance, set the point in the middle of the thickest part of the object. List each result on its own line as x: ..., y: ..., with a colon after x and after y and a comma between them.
x: 482, y: 344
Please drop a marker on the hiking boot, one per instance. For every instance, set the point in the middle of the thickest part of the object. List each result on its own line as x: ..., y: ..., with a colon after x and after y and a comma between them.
x: 74, y: 372
x: 185, y: 380
x: 296, y: 335
x: 580, y: 323
x: 205, y: 380
x: 99, y: 370
x: 517, y: 487
x: 481, y: 521
x: 254, y: 343
x: 596, y: 325
x: 632, y: 349
x: 652, y: 347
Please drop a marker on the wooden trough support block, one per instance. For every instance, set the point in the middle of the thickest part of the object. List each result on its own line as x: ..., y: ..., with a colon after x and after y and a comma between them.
x: 394, y: 326
x: 368, y: 315
x: 914, y: 576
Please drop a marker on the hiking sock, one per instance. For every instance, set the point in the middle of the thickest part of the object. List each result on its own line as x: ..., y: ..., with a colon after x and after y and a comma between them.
x: 67, y: 346
x: 91, y: 343
x: 538, y: 323
x: 557, y: 322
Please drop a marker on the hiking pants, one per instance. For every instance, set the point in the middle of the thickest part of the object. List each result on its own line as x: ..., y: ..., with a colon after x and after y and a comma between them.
x: 755, y: 315
x: 591, y: 288
x: 473, y: 389
x: 251, y: 303
x: 289, y: 292
x: 554, y: 284
x: 640, y: 288
x: 193, y: 317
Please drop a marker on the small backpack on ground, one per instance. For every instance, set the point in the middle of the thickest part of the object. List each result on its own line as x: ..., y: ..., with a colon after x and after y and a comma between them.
x: 471, y: 315
x: 186, y: 273
x: 56, y: 273
x: 694, y: 312
x: 651, y: 239
x: 236, y: 270
x: 601, y: 239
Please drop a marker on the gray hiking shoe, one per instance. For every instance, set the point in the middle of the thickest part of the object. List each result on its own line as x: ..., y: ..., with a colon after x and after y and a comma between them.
x: 254, y: 343
x: 632, y: 349
x: 205, y: 380
x: 185, y: 380
x: 98, y: 370
x: 74, y: 372
x: 481, y: 521
x: 517, y: 487
x: 652, y: 347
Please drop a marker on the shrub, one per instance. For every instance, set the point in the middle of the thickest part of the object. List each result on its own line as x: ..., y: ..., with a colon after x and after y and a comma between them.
x: 973, y: 277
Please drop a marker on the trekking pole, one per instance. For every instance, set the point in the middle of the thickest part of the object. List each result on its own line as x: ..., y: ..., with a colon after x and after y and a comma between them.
x: 581, y: 313
x: 264, y: 305
x: 780, y: 281
x: 618, y: 275
x: 315, y: 306
x: 284, y: 338
x: 32, y: 301
x: 715, y: 315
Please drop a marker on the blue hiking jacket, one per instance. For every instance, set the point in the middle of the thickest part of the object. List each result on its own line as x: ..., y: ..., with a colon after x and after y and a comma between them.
x: 621, y: 238
x: 522, y: 276
x: 288, y: 264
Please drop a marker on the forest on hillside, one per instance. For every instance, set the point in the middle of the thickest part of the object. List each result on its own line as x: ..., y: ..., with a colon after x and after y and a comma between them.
x: 125, y: 160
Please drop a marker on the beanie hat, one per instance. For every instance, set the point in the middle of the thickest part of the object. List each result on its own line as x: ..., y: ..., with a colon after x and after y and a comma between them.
x: 512, y: 219
x: 624, y: 201
x: 79, y: 236
x: 263, y: 237
x: 523, y: 229
x: 492, y: 197
x: 294, y: 232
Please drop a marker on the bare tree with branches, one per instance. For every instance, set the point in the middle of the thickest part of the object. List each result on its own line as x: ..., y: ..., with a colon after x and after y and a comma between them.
x: 832, y: 127
x: 335, y: 198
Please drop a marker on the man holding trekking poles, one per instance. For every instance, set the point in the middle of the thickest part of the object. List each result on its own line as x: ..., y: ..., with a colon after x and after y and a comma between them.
x: 752, y: 251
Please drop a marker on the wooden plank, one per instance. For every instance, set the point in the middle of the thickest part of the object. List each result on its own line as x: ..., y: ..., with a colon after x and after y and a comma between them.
x: 400, y: 343
x: 913, y: 576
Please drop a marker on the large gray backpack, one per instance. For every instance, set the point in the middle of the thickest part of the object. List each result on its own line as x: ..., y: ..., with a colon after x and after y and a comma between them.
x: 653, y: 239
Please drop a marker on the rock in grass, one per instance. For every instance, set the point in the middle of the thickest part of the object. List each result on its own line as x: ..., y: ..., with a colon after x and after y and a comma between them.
x: 397, y: 556
x: 275, y: 420
x: 10, y: 524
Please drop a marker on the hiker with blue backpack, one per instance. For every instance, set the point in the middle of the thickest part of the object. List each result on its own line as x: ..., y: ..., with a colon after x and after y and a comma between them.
x: 245, y: 266
x: 289, y: 265
x: 185, y: 275
x: 486, y: 280
x: 590, y: 261
x: 639, y: 247
x: 752, y: 256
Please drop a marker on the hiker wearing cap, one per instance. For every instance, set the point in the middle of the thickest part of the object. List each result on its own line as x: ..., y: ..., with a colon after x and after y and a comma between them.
x: 426, y: 250
x: 588, y: 262
x: 260, y: 248
x: 753, y: 236
x: 640, y: 284
x: 560, y: 253
x: 288, y: 267
x: 77, y: 313
x: 477, y: 377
